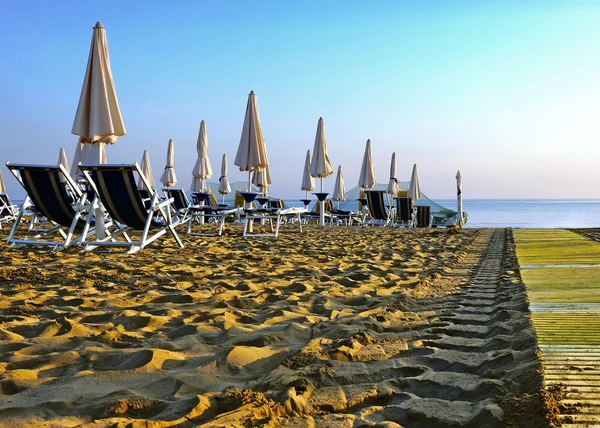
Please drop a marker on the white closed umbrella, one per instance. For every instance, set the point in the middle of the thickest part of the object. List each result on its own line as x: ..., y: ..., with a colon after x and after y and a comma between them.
x: 146, y: 168
x: 339, y: 190
x: 261, y: 177
x: 98, y: 118
x: 308, y: 182
x: 459, y: 221
x: 77, y: 158
x: 224, y: 188
x: 393, y: 187
x: 320, y: 165
x: 2, y: 185
x: 251, y: 153
x: 414, y: 190
x: 202, y: 169
x: 168, y: 177
x: 62, y: 160
x: 366, y: 178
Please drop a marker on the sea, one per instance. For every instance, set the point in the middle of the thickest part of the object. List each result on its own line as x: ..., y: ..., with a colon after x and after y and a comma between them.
x: 523, y: 213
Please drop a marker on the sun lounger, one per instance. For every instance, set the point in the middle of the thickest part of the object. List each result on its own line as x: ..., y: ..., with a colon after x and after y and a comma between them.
x: 423, y: 216
x: 378, y: 213
x: 180, y: 206
x: 404, y: 212
x: 63, y: 204
x: 211, y: 212
x: 115, y: 187
x: 280, y: 215
x: 8, y: 211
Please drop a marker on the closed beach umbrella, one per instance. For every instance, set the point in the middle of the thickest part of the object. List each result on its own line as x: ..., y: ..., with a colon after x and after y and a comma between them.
x: 459, y: 199
x: 339, y: 190
x: 261, y: 177
x: 2, y: 185
x: 414, y: 190
x: 224, y: 187
x: 308, y: 182
x: 320, y: 166
x: 147, y: 171
x: 62, y: 160
x: 168, y: 177
x: 393, y: 187
x: 98, y: 118
x: 251, y: 153
x: 202, y: 169
x: 77, y: 158
x: 366, y: 179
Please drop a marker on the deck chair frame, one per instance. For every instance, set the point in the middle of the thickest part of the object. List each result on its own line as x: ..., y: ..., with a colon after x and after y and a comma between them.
x: 180, y: 208
x: 278, y: 215
x: 68, y: 208
x: 378, y: 214
x: 144, y: 212
x: 405, y: 212
x: 8, y: 211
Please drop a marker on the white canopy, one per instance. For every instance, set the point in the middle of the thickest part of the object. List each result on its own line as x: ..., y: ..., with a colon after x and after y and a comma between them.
x: 168, y: 177
x: 366, y: 178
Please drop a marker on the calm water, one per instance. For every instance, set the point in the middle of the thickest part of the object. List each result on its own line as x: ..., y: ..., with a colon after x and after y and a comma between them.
x: 542, y: 213
x: 530, y: 212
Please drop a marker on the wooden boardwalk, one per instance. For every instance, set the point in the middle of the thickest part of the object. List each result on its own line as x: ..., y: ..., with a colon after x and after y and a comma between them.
x: 560, y: 271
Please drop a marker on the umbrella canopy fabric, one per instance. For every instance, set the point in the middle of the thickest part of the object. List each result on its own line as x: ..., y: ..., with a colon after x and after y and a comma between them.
x: 202, y: 169
x: 168, y: 177
x: 77, y: 158
x: 320, y: 166
x: 93, y: 154
x: 2, y: 185
x: 308, y: 182
x: 251, y: 153
x: 393, y: 187
x: 367, y: 171
x: 98, y: 118
x: 62, y: 160
x: 261, y: 177
x: 339, y: 190
x: 224, y: 187
x: 147, y: 171
x: 414, y: 190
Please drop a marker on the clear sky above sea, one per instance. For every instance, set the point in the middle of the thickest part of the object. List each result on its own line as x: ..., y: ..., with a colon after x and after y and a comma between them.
x: 506, y: 91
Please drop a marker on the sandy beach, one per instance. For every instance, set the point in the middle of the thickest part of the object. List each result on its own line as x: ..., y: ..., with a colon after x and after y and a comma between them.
x: 360, y: 326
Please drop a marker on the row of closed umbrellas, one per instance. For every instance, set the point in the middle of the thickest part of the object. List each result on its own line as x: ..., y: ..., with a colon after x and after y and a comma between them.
x: 98, y: 122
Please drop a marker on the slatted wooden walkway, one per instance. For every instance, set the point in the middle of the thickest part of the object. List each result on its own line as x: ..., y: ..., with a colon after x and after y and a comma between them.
x: 566, y: 314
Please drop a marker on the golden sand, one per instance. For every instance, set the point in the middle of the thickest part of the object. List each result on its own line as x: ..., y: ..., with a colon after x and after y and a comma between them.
x: 331, y: 327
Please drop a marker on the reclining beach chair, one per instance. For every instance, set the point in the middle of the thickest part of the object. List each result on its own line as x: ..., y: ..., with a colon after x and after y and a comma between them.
x: 181, y: 204
x: 423, y: 216
x: 280, y: 215
x: 211, y: 212
x: 63, y: 204
x: 315, y: 213
x: 378, y: 212
x: 115, y: 187
x: 404, y: 212
x: 8, y: 211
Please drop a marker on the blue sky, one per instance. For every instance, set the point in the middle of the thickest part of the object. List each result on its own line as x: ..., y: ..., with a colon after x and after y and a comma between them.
x: 506, y: 91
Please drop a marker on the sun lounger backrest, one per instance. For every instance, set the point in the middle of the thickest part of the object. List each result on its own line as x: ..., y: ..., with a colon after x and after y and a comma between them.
x: 180, y: 200
x: 404, y: 208
x: 5, y: 205
x: 423, y: 216
x: 119, y: 195
x: 276, y: 203
x: 47, y: 192
x: 376, y: 204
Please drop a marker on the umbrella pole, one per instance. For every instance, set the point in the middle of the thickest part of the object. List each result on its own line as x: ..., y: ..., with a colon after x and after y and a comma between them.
x: 202, y: 203
x: 99, y: 213
x: 322, y: 210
